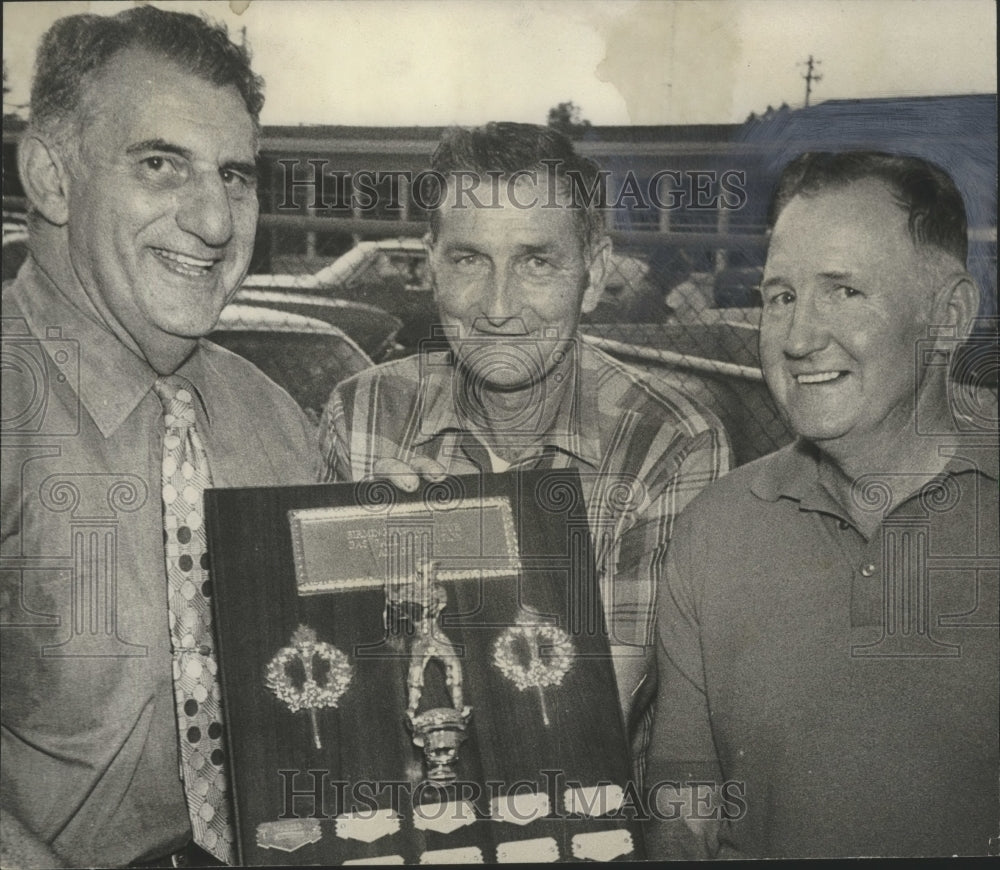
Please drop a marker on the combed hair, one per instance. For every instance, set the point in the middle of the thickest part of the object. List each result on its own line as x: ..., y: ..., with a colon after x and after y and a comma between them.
x: 507, y: 147
x: 935, y: 209
x: 77, y: 47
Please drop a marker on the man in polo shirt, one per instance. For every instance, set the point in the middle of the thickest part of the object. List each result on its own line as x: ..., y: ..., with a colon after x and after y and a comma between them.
x: 515, y: 260
x: 828, y: 642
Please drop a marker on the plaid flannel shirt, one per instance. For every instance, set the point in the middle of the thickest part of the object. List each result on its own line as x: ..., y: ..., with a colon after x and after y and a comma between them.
x: 616, y: 425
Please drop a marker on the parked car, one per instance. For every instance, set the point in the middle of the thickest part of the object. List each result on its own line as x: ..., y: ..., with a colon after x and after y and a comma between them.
x: 15, y: 244
x: 305, y: 355
x: 373, y: 328
x: 631, y: 293
x: 704, y: 296
x: 402, y: 259
x: 392, y: 274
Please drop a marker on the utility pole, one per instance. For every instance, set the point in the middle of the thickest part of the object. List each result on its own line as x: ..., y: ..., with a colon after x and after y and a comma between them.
x: 810, y: 76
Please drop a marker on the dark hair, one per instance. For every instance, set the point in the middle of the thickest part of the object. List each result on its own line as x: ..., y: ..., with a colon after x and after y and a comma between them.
x: 507, y: 147
x: 78, y: 46
x: 936, y: 212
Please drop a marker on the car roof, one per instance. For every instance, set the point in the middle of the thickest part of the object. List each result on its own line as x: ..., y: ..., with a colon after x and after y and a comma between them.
x: 304, y: 355
x: 341, y: 270
x: 254, y: 318
x: 277, y: 297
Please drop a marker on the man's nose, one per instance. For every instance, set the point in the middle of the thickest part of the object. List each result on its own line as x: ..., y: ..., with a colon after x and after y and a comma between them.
x: 807, y: 330
x: 206, y: 211
x: 501, y: 292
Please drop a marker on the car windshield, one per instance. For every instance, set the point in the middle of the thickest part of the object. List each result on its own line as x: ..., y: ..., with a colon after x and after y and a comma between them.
x: 386, y: 259
x: 346, y: 268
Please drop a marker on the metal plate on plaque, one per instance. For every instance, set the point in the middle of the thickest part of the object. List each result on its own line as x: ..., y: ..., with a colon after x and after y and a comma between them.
x: 339, y: 549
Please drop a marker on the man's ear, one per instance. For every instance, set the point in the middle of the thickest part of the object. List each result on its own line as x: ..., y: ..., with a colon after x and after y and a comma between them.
x: 956, y: 305
x: 600, y: 260
x: 45, y: 178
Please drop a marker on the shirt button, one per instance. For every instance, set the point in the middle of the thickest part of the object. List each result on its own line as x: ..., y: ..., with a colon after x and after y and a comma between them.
x: 843, y: 525
x: 867, y: 570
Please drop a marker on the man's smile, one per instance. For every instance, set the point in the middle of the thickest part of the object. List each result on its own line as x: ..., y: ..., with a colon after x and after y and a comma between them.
x: 184, y: 264
x: 820, y: 377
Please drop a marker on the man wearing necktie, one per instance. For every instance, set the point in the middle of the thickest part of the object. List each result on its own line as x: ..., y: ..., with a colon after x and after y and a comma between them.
x: 139, y: 167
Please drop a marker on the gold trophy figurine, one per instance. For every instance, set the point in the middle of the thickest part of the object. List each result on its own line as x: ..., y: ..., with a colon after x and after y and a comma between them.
x: 440, y: 731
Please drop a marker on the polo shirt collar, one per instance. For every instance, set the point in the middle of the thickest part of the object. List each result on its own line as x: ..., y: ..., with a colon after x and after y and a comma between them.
x: 795, y: 474
x: 987, y: 456
x: 577, y: 404
x: 991, y: 465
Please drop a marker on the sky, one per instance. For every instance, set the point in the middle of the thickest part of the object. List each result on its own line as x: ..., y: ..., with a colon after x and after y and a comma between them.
x: 421, y: 62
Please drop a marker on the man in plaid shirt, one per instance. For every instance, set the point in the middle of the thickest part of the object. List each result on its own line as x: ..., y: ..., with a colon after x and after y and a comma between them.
x: 515, y: 259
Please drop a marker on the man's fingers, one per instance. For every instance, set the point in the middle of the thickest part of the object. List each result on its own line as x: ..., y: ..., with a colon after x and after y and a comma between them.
x: 428, y: 468
x: 407, y: 476
x: 398, y: 473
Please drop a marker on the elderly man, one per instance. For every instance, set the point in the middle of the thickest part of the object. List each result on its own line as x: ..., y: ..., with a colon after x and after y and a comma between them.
x: 515, y: 259
x: 828, y: 621
x: 139, y: 167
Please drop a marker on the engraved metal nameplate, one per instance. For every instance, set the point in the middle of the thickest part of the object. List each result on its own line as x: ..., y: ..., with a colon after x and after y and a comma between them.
x: 342, y: 549
x: 288, y: 834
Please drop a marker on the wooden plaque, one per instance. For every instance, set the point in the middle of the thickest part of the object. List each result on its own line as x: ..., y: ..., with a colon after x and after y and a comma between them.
x: 510, y: 549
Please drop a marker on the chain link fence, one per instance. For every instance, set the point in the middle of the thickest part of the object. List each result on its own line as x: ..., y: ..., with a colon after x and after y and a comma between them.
x: 329, y: 296
x: 675, y: 306
x: 680, y: 305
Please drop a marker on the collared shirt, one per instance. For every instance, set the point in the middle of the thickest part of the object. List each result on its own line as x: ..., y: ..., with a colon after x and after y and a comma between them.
x: 846, y: 687
x: 89, y: 736
x: 643, y: 451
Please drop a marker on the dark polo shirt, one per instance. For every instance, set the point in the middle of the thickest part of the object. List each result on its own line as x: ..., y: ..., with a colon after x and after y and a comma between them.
x: 850, y: 686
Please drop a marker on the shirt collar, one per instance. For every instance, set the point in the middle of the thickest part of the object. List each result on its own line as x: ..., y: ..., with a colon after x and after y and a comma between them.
x: 983, y: 456
x: 792, y: 472
x: 580, y: 437
x: 206, y: 379
x: 112, y: 379
x: 795, y: 473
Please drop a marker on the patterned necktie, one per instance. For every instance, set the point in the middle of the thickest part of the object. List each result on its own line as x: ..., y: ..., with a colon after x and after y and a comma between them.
x: 196, y: 689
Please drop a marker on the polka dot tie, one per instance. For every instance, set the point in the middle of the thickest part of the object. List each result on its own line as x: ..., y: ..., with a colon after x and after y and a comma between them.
x: 196, y: 688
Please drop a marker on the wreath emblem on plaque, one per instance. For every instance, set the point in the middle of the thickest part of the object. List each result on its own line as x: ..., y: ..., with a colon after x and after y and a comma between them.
x: 311, y: 695
x: 549, y: 656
